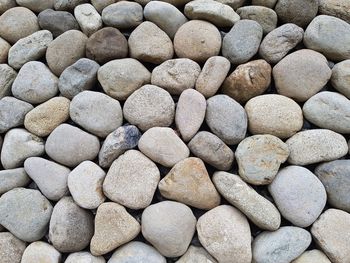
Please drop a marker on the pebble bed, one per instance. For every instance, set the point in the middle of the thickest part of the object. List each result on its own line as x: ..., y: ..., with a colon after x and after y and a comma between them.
x: 174, y: 131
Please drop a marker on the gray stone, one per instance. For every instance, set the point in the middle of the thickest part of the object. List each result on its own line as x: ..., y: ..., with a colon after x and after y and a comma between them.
x: 36, y: 5
x: 13, y: 178
x: 337, y: 8
x: 42, y: 252
x: 233, y: 3
x: 123, y: 15
x: 83, y: 257
x: 196, y: 254
x: 101, y: 4
x: 7, y: 76
x: 267, y: 3
x: 11, y: 248
x: 177, y: 3
x: 88, y: 18
x: 340, y: 79
x: 6, y: 4
x: 67, y: 5
x: 266, y: 17
x: 4, y: 50
x: 312, y: 256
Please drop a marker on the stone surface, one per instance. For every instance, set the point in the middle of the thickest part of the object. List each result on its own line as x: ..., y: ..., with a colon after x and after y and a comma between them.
x: 6, y: 4
x: 67, y: 5
x: 4, y: 50
x: 88, y: 18
x: 7, y: 76
x: 267, y: 3
x: 340, y: 78
x: 233, y: 3
x: 83, y: 257
x: 41, y: 252
x: 196, y: 254
x: 13, y: 178
x: 36, y: 5
x: 101, y: 4
x: 11, y: 248
x: 266, y: 17
x: 337, y: 8
x: 312, y: 256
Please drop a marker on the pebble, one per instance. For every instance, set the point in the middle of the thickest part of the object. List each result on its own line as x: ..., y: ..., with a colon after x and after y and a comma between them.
x: 50, y: 177
x: 280, y: 41
x: 4, y: 50
x: 317, y: 145
x: 13, y: 178
x: 101, y: 4
x: 196, y: 254
x: 70, y: 145
x: 257, y: 208
x: 197, y: 40
x: 35, y: 83
x: 149, y: 106
x: 330, y: 36
x: 299, y: 195
x: 242, y: 42
x: 132, y: 180
x: 83, y: 257
x: 248, y: 80
x: 312, y: 256
x: 6, y: 4
x: 337, y: 8
x: 25, y: 213
x: 166, y: 16
x: 116, y: 143
x: 176, y: 75
x: 212, y: 150
x: 88, y: 18
x: 169, y: 226
x: 19, y: 144
x: 7, y: 76
x: 106, y: 44
x: 17, y: 23
x: 212, y: 75
x: 65, y: 50
x: 274, y: 114
x: 259, y: 158
x: 340, y: 79
x: 67, y: 5
x: 282, y: 245
x: 226, y: 118
x: 71, y: 227
x: 177, y: 3
x: 235, y: 4
x: 129, y: 73
x: 267, y: 3
x: 11, y: 247
x: 331, y: 233
x: 225, y: 233
x: 40, y: 251
x: 36, y: 5
x: 121, y: 227
x: 43, y: 119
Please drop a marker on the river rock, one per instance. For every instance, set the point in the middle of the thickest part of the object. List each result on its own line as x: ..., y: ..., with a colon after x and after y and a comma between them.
x: 7, y: 76
x: 83, y: 257
x: 101, y: 4
x: 337, y: 8
x: 196, y: 254
x: 266, y: 17
x: 235, y: 4
x: 340, y: 79
x: 267, y: 3
x: 4, y: 50
x: 6, y: 4
x: 67, y: 5
x: 312, y: 256
x: 13, y: 178
x: 11, y: 247
x: 88, y: 18
x: 40, y: 251
x: 36, y: 5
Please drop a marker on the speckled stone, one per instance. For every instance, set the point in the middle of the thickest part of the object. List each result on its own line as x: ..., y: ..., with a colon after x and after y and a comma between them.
x: 83, y: 257
x: 312, y: 256
x: 7, y: 76
x: 196, y: 254
x: 13, y: 178
x: 40, y: 251
x: 11, y: 248
x: 340, y: 79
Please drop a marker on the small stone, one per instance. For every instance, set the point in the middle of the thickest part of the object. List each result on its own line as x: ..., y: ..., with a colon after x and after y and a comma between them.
x: 196, y: 254
x: 132, y: 180
x: 88, y: 18
x: 83, y: 257
x: 317, y: 145
x: 121, y: 227
x: 100, y: 5
x: 266, y: 17
x: 312, y: 256
x: 35, y: 83
x: 337, y: 8
x: 235, y: 4
x: 67, y: 5
x: 11, y: 248
x: 40, y: 251
x: 13, y: 178
x: 267, y: 3
x: 25, y: 213
x: 4, y: 50
x: 212, y: 150
x: 36, y: 5
x: 50, y: 177
x: 274, y: 114
x: 6, y: 4
x: 340, y: 79
x: 7, y: 76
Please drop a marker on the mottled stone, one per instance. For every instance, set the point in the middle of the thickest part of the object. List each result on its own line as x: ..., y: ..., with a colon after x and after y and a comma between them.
x: 312, y: 256
x: 196, y: 254
x: 83, y: 257
x: 235, y: 4
x: 340, y: 79
x: 267, y: 3
x: 7, y: 76
x: 13, y: 178
x: 337, y: 8
x: 4, y: 50
x: 36, y: 5
x: 100, y: 5
x: 88, y: 18
x: 67, y: 5
x: 6, y: 4
x: 266, y: 17
x: 11, y: 248
x: 40, y: 251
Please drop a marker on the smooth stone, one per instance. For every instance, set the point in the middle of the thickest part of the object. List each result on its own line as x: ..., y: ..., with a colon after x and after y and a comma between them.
x: 13, y: 178
x: 312, y: 256
x: 129, y: 73
x: 248, y: 80
x: 225, y: 233
x: 317, y: 145
x: 196, y: 254
x: 40, y: 251
x: 71, y: 227
x: 277, y: 44
x: 67, y: 5
x: 70, y: 145
x: 275, y: 115
x: 88, y: 18
x: 266, y: 17
x: 340, y: 78
x: 149, y: 106
x: 337, y: 8
x: 101, y: 4
x: 267, y: 3
x: 19, y: 144
x: 6, y: 4
x: 36, y: 5
x: 132, y: 180
x: 35, y: 83
x: 7, y: 76
x: 50, y: 177
x: 212, y: 150
x: 83, y: 257
x: 25, y: 213
x: 11, y: 248
x: 282, y: 245
x: 4, y: 50
x: 176, y: 75
x: 43, y: 119
x: 121, y: 227
x: 242, y: 42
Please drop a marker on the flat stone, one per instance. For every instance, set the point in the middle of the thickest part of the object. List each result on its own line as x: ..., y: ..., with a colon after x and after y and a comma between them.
x: 88, y: 18
x: 13, y: 178
x: 40, y: 251
x: 83, y: 257
x: 340, y: 79
x: 36, y: 5
x: 4, y: 50
x: 67, y: 5
x: 11, y: 247
x: 7, y: 76
x: 267, y: 3
x: 266, y: 17
x: 6, y: 4
x: 196, y: 254
x: 337, y: 8
x: 312, y: 256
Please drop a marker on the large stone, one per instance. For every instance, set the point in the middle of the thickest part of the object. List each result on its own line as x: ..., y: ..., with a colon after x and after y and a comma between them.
x: 340, y: 79
x: 7, y: 76
x: 36, y: 5
x: 266, y: 17
x: 337, y: 8
x: 83, y: 257
x: 13, y: 178
x: 88, y: 18
x: 67, y: 5
x: 6, y: 4
x: 11, y: 248
x: 312, y: 256
x: 267, y: 3
x: 40, y: 251
x: 4, y: 50
x: 101, y: 4
x: 196, y: 254
x: 235, y: 4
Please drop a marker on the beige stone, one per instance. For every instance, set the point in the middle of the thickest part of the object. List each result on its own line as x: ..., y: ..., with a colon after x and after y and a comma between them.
x: 4, y: 50
x: 11, y: 248
x: 337, y: 8
x: 340, y: 79
x: 312, y: 256
x: 266, y: 17
x: 196, y: 254
x: 40, y: 251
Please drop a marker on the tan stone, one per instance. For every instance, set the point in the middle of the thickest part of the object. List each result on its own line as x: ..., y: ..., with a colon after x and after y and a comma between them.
x: 11, y: 248
x: 41, y: 252
x: 4, y: 50
x: 196, y: 254
x: 337, y: 8
x: 312, y: 256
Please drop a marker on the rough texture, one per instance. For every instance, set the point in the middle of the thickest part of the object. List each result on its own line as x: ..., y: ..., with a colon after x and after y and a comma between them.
x: 340, y: 79
x: 41, y: 252
x: 337, y: 8
x: 4, y: 50
x: 311, y: 256
x: 11, y: 248
x: 7, y: 76
x: 196, y: 255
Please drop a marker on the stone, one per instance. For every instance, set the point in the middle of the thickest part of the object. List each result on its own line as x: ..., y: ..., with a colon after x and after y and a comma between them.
x: 6, y: 4
x: 121, y: 77
x: 248, y: 80
x: 83, y: 257
x: 11, y: 248
x: 340, y: 78
x: 188, y: 182
x: 35, y: 83
x: 225, y: 233
x: 311, y: 256
x: 267, y: 3
x: 259, y: 158
x: 80, y: 76
x: 42, y: 252
x: 280, y: 41
x: 226, y: 118
x: 337, y: 8
x: 301, y: 74
x: 212, y: 150
x: 196, y: 254
x: 25, y: 213
x: 331, y: 233
x: 197, y: 40
x: 7, y: 76
x: 19, y: 144
x: 242, y: 42
x: 43, y: 119
x: 132, y: 180
x: 106, y: 44
x: 274, y: 114
x: 71, y: 227
x: 17, y: 23
x: 65, y: 50
x: 4, y: 50
x: 70, y: 145
x: 13, y: 178
x: 166, y: 16
x: 149, y: 106
x: 257, y: 208
x: 212, y: 75
x: 50, y: 177
x: 88, y: 18
x: 116, y: 143
x: 299, y: 195
x: 317, y: 145
x: 67, y: 5
x: 176, y: 75
x: 36, y: 5
x: 148, y: 43
x: 101, y: 4
x: 330, y: 36
x: 282, y: 245
x: 121, y: 227
x: 266, y: 17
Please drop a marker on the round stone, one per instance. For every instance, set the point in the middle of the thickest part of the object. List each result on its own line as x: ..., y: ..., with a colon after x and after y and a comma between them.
x: 12, y: 178
x: 11, y: 247
x: 6, y: 4
x: 267, y: 3
x: 337, y: 8
x: 311, y: 256
x: 194, y: 254
x: 4, y: 50
x: 36, y: 5
x: 266, y: 17
x: 67, y: 5
x: 100, y: 5
x: 88, y: 18
x: 7, y: 76
x: 83, y: 257
x: 340, y: 79
x: 42, y: 252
